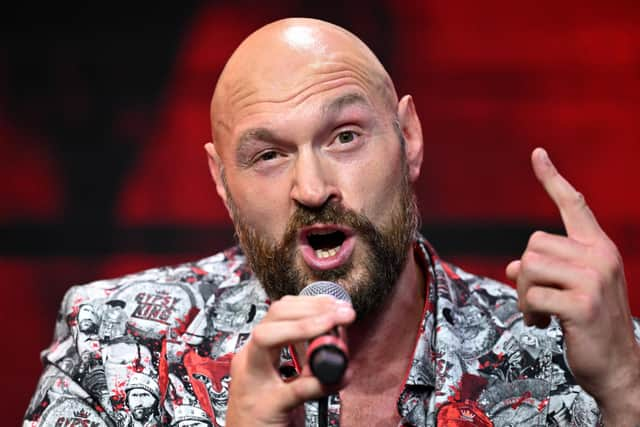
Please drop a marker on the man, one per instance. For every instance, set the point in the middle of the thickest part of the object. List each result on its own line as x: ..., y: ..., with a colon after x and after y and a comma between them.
x: 142, y: 401
x: 314, y: 156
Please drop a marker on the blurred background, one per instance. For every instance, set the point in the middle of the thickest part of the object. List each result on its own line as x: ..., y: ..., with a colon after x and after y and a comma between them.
x: 104, y: 112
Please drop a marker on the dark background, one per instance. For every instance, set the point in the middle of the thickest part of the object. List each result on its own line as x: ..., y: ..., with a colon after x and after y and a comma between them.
x: 104, y: 112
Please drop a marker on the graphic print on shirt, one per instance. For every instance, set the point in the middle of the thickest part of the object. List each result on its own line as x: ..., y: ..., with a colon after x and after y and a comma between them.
x: 155, y: 348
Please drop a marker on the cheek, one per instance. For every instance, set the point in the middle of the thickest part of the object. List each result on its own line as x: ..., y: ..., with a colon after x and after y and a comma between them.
x: 375, y: 183
x: 262, y: 204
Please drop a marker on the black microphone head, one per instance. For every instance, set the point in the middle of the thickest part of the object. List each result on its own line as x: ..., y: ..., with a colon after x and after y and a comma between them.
x: 324, y: 287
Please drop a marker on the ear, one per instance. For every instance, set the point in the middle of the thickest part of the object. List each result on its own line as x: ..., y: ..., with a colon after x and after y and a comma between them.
x: 215, y: 169
x: 412, y: 133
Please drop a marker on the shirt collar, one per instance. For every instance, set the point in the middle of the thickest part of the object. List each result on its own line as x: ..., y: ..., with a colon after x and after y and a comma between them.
x: 421, y: 371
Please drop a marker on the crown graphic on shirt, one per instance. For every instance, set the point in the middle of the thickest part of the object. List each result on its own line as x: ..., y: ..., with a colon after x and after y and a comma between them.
x: 467, y: 414
x: 81, y: 414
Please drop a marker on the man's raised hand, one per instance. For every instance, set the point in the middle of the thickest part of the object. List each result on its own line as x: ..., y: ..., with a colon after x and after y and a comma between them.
x: 580, y: 279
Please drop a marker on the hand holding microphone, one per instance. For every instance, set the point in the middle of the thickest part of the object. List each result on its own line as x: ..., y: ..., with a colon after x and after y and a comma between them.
x: 327, y: 354
x: 258, y: 396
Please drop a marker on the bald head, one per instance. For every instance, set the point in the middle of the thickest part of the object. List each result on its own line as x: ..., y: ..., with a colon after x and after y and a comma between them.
x: 289, y: 60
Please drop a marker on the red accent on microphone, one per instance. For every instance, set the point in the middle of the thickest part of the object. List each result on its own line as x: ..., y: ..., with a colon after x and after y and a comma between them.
x: 327, y: 341
x: 328, y: 356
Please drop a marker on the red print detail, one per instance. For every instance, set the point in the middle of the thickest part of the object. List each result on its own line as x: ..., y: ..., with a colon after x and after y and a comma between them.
x: 463, y: 414
x: 163, y: 374
x: 522, y: 399
x: 215, y: 370
x: 449, y: 271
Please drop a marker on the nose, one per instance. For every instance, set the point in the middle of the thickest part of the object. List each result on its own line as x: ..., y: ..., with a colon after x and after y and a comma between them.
x: 314, y: 181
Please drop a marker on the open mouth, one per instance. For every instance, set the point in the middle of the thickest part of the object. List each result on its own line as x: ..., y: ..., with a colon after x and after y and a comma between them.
x: 326, y: 243
x: 326, y: 246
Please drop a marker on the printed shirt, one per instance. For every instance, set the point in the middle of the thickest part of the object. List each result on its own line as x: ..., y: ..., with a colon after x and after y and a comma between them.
x: 155, y: 348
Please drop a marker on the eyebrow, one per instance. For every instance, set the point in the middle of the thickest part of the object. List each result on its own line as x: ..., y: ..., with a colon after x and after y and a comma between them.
x: 261, y: 134
x: 344, y: 101
x: 243, y: 150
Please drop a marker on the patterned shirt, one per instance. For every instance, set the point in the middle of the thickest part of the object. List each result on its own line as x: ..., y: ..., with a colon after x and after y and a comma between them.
x: 155, y: 348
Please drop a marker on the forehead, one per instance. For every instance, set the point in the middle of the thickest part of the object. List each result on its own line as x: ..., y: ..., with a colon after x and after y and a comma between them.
x: 296, y: 82
x: 86, y: 308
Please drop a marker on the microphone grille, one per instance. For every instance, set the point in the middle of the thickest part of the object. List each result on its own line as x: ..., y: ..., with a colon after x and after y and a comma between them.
x: 326, y: 288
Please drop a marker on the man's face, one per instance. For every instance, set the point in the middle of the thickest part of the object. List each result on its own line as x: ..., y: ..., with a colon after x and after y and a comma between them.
x: 141, y: 403
x: 315, y: 179
x: 87, y: 319
x: 369, y: 279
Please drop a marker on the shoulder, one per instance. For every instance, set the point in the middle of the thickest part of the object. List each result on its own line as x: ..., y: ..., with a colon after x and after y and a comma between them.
x: 147, y: 303
x: 458, y: 289
x: 111, y: 334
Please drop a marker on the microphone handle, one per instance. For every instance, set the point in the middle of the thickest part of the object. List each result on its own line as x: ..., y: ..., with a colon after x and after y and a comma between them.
x: 323, y: 411
x: 328, y: 357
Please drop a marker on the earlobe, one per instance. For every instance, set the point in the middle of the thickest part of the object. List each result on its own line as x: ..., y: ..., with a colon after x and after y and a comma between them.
x: 215, y: 169
x: 412, y: 133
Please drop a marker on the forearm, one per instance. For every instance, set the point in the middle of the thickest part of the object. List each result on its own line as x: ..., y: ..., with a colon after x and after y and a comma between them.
x: 621, y: 406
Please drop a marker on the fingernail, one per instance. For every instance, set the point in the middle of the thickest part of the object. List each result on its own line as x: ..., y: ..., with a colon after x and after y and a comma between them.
x: 545, y: 157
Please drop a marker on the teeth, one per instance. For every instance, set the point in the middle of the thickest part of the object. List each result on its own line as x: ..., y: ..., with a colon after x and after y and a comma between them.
x: 322, y: 253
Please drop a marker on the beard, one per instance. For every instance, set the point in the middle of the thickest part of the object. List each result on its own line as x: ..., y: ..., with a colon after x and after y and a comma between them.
x: 370, y: 274
x: 141, y: 413
x: 88, y: 327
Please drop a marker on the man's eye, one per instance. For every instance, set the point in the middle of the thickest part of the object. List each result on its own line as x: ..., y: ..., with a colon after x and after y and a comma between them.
x: 266, y: 156
x: 346, y: 137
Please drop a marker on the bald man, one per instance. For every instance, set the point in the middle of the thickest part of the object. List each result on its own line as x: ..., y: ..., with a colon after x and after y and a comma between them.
x: 314, y: 155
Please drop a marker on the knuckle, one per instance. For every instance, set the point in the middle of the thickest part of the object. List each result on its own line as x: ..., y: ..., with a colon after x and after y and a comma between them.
x: 577, y: 199
x: 589, y: 306
x: 609, y: 258
x: 533, y: 297
x: 276, y: 306
x: 536, y: 239
x: 286, y: 299
x: 528, y: 260
x: 259, y: 335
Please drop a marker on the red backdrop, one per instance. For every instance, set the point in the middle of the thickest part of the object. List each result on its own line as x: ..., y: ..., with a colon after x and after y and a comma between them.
x: 102, y: 127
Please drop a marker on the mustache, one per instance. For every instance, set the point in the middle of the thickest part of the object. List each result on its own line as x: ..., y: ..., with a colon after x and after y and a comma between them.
x: 329, y: 213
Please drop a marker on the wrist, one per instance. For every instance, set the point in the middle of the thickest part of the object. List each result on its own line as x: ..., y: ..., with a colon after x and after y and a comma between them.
x: 620, y: 406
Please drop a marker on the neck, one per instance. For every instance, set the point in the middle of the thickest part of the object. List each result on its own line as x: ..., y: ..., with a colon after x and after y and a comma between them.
x: 384, y: 341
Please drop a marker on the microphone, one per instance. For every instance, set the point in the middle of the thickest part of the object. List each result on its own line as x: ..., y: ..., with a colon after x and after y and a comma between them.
x: 327, y: 354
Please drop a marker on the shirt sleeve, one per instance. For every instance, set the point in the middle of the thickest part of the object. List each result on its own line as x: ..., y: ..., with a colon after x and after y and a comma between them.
x: 71, y: 387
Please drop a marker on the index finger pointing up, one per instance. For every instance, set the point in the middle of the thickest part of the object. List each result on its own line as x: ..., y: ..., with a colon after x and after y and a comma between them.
x: 577, y: 218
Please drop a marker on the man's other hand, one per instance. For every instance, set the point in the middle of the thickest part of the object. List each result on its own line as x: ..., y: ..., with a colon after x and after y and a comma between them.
x: 580, y: 279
